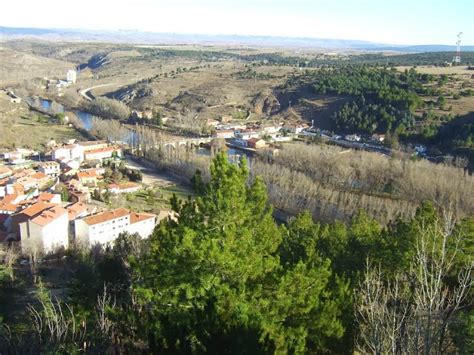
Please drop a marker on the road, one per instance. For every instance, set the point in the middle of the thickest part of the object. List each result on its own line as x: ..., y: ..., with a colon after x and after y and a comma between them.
x: 85, y: 92
x: 363, y: 146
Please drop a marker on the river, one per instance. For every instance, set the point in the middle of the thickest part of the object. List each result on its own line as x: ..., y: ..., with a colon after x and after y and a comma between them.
x: 54, y: 107
x: 86, y: 118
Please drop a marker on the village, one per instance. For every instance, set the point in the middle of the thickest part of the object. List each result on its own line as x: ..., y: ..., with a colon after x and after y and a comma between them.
x: 51, y: 201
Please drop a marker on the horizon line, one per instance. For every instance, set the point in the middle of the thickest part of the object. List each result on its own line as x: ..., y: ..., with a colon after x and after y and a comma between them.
x: 119, y: 30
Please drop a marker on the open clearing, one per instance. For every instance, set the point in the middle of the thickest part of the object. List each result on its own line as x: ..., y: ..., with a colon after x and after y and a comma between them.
x: 27, y: 132
x: 440, y: 70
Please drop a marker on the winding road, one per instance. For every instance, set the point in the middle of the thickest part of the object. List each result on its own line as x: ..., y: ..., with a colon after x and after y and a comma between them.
x: 85, y: 92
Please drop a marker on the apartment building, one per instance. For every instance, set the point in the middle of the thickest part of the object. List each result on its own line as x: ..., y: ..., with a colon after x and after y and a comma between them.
x: 103, y: 228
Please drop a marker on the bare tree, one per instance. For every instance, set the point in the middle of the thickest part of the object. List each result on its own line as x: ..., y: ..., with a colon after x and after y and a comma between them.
x: 104, y: 323
x: 55, y: 322
x: 434, y: 303
x: 109, y: 108
x: 411, y: 315
x: 382, y: 311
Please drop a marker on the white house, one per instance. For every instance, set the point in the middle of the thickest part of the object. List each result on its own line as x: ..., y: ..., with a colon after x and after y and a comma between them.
x: 93, y: 145
x: 352, y: 137
x: 46, y: 232
x: 62, y: 84
x: 124, y: 188
x: 102, y: 153
x: 71, y: 76
x: 225, y: 133
x: 271, y: 129
x: 16, y: 158
x: 69, y: 152
x: 247, y: 134
x: 50, y: 168
x: 142, y: 223
x: 103, y: 228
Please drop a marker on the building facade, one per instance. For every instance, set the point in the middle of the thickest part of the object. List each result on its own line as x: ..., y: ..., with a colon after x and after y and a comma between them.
x: 50, y: 168
x: 103, y: 228
x: 45, y: 233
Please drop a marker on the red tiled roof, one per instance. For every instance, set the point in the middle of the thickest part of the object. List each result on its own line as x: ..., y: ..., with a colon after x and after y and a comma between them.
x: 9, y: 198
x: 46, y: 196
x: 6, y: 204
x: 86, y: 174
x: 8, y: 207
x: 106, y: 216
x: 38, y: 176
x: 49, y: 215
x: 19, y: 189
x: 75, y: 209
x: 138, y: 217
x: 100, y: 150
x: 37, y: 208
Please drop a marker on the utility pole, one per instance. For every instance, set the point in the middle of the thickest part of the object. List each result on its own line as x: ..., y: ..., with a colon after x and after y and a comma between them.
x: 457, y: 57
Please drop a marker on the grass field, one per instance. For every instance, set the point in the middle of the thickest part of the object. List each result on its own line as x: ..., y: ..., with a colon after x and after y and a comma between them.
x: 459, y: 70
x: 26, y: 131
x: 150, y: 199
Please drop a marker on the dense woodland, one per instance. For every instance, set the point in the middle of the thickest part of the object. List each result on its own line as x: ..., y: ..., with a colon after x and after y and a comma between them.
x: 409, y: 106
x: 383, y: 100
x: 225, y: 278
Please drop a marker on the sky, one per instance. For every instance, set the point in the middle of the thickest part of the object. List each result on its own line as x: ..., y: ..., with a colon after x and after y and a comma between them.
x: 380, y: 21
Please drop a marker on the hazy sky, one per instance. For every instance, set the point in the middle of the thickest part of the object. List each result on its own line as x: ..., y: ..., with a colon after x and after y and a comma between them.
x: 385, y: 21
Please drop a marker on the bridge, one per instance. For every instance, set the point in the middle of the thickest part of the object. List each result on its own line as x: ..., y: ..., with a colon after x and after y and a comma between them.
x: 189, y: 142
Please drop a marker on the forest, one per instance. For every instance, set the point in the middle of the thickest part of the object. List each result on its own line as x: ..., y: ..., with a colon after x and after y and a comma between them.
x: 383, y: 100
x: 224, y: 277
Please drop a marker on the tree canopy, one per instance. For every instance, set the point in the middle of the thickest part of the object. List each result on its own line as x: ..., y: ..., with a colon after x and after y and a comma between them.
x: 214, y: 279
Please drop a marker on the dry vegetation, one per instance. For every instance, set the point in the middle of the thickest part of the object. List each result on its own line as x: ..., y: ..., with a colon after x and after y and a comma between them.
x: 334, y: 184
x: 15, y: 67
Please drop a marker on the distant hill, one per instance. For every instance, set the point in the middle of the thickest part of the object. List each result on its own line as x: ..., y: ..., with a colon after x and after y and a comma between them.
x: 425, y: 48
x: 173, y: 38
